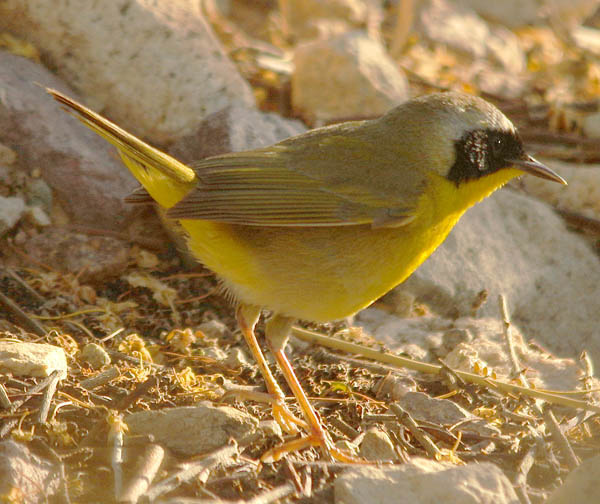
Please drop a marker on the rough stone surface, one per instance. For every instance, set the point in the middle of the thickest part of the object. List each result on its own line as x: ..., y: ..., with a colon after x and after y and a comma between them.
x: 81, y: 168
x: 423, y: 338
x: 510, y: 244
x: 443, y: 411
x: 32, y: 359
x: 376, y: 446
x: 36, y: 480
x: 197, y: 429
x: 154, y: 67
x: 12, y: 209
x: 581, y: 196
x: 95, y: 356
x: 233, y: 129
x: 94, y: 258
x: 516, y: 13
x: 581, y: 485
x: 422, y: 481
x: 345, y: 77
x: 493, y: 55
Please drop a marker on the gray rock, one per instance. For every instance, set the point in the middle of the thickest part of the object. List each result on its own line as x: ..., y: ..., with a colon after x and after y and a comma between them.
x: 312, y: 18
x: 516, y: 13
x: 345, y: 77
x: 199, y: 429
x: 233, y: 129
x: 157, y: 78
x: 580, y: 486
x: 36, y: 479
x: 423, y: 338
x: 442, y: 411
x: 423, y: 481
x: 510, y: 244
x: 87, y: 179
x: 376, y: 446
x: 96, y: 258
x: 95, y: 356
x: 12, y: 209
x: 581, y: 196
x: 460, y: 28
x: 32, y: 359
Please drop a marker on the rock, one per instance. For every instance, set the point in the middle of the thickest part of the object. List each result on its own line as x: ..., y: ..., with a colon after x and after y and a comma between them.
x: 7, y: 155
x: 510, y: 244
x: 214, y: 329
x: 442, y: 411
x: 32, y: 359
x: 376, y: 446
x: 157, y: 82
x: 92, y: 258
x: 38, y: 217
x: 35, y: 480
x: 517, y: 13
x: 582, y: 195
x: 460, y: 28
x: 87, y: 179
x: 11, y: 211
x: 580, y: 486
x: 237, y: 359
x: 423, y: 338
x: 393, y: 387
x: 345, y: 77
x: 215, y: 353
x: 95, y: 356
x: 588, y: 39
x: 233, y: 129
x: 423, y: 481
x: 38, y: 193
x: 199, y: 429
x: 495, y: 59
x: 306, y: 18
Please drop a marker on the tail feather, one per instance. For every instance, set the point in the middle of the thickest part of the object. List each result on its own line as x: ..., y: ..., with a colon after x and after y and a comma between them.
x: 164, y: 178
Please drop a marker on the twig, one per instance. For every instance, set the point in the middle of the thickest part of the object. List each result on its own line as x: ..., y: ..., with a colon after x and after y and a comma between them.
x: 136, y: 393
x: 293, y: 475
x: 525, y: 464
x: 346, y: 429
x: 22, y: 318
x: 199, y: 469
x: 588, y: 371
x: 516, y: 369
x: 4, y: 399
x: 274, y: 495
x: 144, y: 474
x: 405, y: 419
x: 560, y: 439
x: 116, y: 460
x: 100, y: 379
x: 34, y: 389
x: 30, y: 290
x: 120, y: 355
x: 48, y: 395
x: 423, y: 367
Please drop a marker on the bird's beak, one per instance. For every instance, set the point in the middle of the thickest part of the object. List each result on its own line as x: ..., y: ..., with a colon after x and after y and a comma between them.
x: 532, y: 166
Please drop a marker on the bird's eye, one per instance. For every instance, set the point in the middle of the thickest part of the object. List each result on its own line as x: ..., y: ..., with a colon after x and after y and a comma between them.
x: 497, y: 145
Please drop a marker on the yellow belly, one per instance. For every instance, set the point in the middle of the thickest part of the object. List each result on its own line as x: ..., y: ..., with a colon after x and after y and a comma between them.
x: 327, y: 273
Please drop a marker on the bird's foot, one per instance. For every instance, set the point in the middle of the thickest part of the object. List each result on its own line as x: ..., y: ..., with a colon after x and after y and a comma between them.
x: 321, y: 440
x: 288, y: 422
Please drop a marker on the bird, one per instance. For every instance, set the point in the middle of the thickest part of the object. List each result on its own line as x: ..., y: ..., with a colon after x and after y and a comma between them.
x: 320, y: 225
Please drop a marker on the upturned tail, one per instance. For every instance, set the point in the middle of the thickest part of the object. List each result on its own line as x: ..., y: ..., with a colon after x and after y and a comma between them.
x: 165, y: 179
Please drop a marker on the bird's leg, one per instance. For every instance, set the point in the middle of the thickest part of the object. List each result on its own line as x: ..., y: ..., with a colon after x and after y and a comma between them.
x: 277, y: 332
x: 247, y: 317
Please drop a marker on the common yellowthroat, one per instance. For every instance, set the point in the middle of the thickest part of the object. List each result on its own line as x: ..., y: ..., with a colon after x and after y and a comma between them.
x: 320, y: 225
